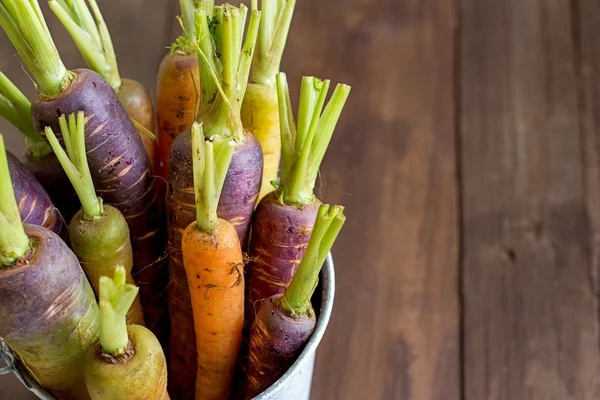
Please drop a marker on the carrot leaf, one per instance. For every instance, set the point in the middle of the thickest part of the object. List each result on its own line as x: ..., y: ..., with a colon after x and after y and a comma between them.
x: 296, y: 299
x: 24, y: 24
x: 187, y: 19
x: 115, y: 299
x: 304, y: 145
x: 16, y: 109
x: 224, y: 67
x: 14, y: 242
x: 91, y: 36
x: 210, y: 164
x: 74, y: 162
x: 272, y: 37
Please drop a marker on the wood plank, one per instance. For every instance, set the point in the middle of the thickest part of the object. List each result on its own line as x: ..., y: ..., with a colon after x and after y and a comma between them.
x: 529, y: 306
x: 587, y: 18
x: 140, y: 30
x: 394, y: 333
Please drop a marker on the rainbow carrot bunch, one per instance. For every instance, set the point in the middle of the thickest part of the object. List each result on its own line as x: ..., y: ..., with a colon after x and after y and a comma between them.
x: 224, y: 70
x: 219, y: 257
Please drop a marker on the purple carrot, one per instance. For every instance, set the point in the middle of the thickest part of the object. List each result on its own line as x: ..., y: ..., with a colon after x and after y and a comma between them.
x: 291, y: 227
x: 284, y: 219
x: 35, y: 205
x: 119, y: 164
x: 48, y: 313
x: 39, y: 158
x: 285, y: 322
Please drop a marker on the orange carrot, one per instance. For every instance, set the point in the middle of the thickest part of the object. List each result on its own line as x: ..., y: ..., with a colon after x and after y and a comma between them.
x: 178, y: 87
x: 213, y: 262
x: 178, y: 97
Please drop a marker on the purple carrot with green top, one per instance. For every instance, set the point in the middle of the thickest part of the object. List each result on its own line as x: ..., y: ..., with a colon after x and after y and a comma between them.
x: 127, y: 362
x: 93, y: 40
x: 118, y: 162
x: 48, y: 314
x: 285, y: 322
x: 283, y: 221
x: 99, y: 233
x: 223, y: 81
x: 39, y: 158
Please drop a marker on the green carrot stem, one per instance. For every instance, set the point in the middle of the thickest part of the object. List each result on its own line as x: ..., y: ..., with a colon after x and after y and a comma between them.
x: 115, y: 299
x: 210, y: 164
x: 274, y: 28
x: 14, y: 243
x: 91, y: 36
x: 24, y: 24
x: 304, y: 145
x: 224, y: 67
x: 74, y: 162
x: 296, y: 299
x: 187, y: 20
x: 16, y: 109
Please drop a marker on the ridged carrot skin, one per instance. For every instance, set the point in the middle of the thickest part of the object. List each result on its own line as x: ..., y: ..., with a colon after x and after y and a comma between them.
x: 122, y: 174
x: 100, y: 245
x: 281, y: 235
x: 49, y: 333
x: 178, y: 96
x: 260, y: 115
x: 138, y: 104
x: 141, y: 375
x: 35, y: 205
x: 276, y: 341
x: 215, y: 271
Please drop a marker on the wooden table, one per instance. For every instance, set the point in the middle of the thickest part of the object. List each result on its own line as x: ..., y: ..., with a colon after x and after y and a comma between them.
x: 469, y: 161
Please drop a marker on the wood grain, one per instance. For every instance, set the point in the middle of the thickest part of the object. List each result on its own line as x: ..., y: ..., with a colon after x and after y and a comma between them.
x: 530, y: 304
x: 394, y: 333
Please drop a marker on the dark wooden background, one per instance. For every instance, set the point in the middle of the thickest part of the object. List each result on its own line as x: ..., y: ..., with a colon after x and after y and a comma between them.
x: 469, y: 161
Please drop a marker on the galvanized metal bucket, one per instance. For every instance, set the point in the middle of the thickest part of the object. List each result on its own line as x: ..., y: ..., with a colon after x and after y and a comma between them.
x: 294, y: 385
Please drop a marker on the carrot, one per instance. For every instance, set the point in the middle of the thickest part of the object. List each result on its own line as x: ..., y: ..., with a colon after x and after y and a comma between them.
x: 93, y: 40
x: 39, y: 158
x: 285, y: 323
x: 120, y: 167
x: 284, y: 219
x: 99, y: 233
x: 213, y: 262
x: 178, y: 87
x: 34, y: 203
x: 48, y: 315
x: 242, y: 183
x: 260, y: 113
x: 127, y: 363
